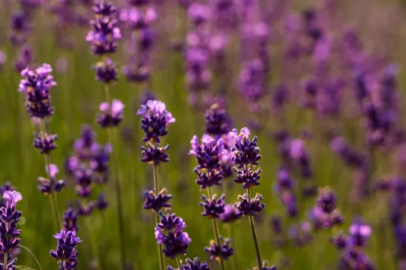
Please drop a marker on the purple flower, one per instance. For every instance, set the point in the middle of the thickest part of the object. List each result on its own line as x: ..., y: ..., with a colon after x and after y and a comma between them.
x: 137, y: 18
x: 327, y: 200
x: 217, y: 122
x: 155, y: 154
x: 157, y: 201
x: 24, y: 58
x: 340, y: 241
x: 193, y: 265
x: 248, y: 177
x: 9, y: 217
x: 230, y: 214
x: 216, y: 252
x: 359, y: 233
x: 83, y: 179
x: 101, y: 203
x: 106, y: 71
x: 45, y: 142
x: 155, y: 120
x: 355, y: 259
x: 208, y: 178
x: 198, y: 13
x: 213, y: 207
x: 111, y: 115
x: 6, y: 187
x: 245, y: 151
x: 105, y: 33
x: 66, y: 253
x: 208, y: 153
x: 70, y: 218
x: 48, y: 186
x: 169, y: 233
x: 249, y: 206
x: 36, y: 85
x: 19, y: 29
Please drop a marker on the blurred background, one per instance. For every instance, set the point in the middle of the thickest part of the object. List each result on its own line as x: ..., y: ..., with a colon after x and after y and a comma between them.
x: 350, y: 37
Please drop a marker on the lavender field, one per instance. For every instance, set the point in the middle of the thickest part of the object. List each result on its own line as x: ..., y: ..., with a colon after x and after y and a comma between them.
x: 202, y: 134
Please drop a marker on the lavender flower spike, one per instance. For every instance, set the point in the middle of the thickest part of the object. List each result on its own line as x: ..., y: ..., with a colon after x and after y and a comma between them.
x: 193, y: 265
x: 155, y: 120
x: 111, y: 115
x: 65, y: 253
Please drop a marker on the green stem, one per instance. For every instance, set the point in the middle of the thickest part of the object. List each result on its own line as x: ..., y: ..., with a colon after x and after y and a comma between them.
x: 93, y: 243
x: 5, y: 261
x: 32, y: 254
x: 216, y: 231
x: 156, y: 187
x: 234, y: 245
x: 254, y: 234
x: 179, y: 263
x: 116, y: 180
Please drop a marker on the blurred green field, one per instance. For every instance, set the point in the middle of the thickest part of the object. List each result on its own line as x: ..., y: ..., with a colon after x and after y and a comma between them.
x: 76, y: 100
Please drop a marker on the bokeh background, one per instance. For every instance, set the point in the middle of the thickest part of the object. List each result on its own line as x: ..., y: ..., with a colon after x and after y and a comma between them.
x: 380, y: 25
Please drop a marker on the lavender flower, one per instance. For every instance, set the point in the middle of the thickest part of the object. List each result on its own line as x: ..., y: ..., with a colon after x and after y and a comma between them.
x: 154, y: 154
x: 157, y: 201
x: 230, y: 214
x: 6, y: 187
x: 355, y: 259
x: 207, y: 154
x: 155, y: 120
x: 106, y: 71
x: 137, y: 18
x: 101, y: 203
x: 249, y: 207
x: 48, y: 186
x: 248, y: 177
x: 19, y: 29
x: 111, y: 115
x: 36, y: 85
x: 104, y: 35
x: 65, y: 253
x: 217, y: 122
x: 193, y: 265
x: 45, y: 142
x: 213, y: 207
x: 265, y: 266
x: 24, y: 58
x: 325, y: 214
x: 359, y: 233
x: 169, y: 233
x: 70, y: 218
x: 245, y: 151
x: 216, y: 252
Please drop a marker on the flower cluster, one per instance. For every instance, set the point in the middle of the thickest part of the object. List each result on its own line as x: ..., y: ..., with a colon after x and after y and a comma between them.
x: 66, y: 253
x: 36, y: 87
x: 193, y: 265
x: 105, y: 33
x: 169, y: 233
x: 325, y: 214
x: 48, y: 186
x: 157, y: 201
x: 285, y: 189
x: 154, y: 122
x: 112, y: 115
x: 223, y: 251
x: 10, y: 216
x: 213, y: 207
x: 70, y: 218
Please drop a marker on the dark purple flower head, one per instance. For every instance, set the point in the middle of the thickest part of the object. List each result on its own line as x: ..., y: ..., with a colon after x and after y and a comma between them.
x: 300, y: 156
x: 104, y: 9
x: 155, y: 120
x: 24, y: 58
x: 359, y: 233
x: 252, y: 80
x: 19, y: 29
x: 111, y: 115
x: 146, y: 96
x: 248, y: 177
x: 224, y: 251
x: 36, y: 85
x: 70, y: 218
x: 217, y: 122
x: 47, y: 186
x: 137, y: 18
x: 101, y: 203
x: 157, y: 201
x: 9, y: 217
x: 249, y: 207
x: 65, y: 253
x: 327, y: 200
x: 322, y: 219
x: 208, y: 178
x: 340, y: 241
x: 284, y: 181
x: 83, y: 179
x: 45, y: 142
x: 86, y: 209
x: 265, y: 266
x: 106, y: 71
x: 230, y: 214
x: 198, y: 13
x: 355, y: 259
x: 193, y: 265
x: 245, y: 151
x: 137, y: 2
x: 139, y: 72
x: 208, y: 154
x: 105, y: 33
x: 213, y: 207
x: 276, y: 224
x: 169, y: 233
x: 154, y: 154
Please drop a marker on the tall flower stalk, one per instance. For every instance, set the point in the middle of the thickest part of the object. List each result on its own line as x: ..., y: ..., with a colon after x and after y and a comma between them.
x: 103, y: 41
x: 155, y: 120
x: 36, y: 86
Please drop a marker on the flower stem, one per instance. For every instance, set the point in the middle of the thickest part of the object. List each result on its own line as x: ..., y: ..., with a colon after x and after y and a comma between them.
x: 32, y: 254
x: 216, y: 231
x: 112, y: 135
x: 5, y: 262
x: 93, y: 244
x: 254, y: 234
x: 231, y: 234
x: 156, y: 188
x: 179, y: 264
